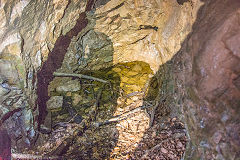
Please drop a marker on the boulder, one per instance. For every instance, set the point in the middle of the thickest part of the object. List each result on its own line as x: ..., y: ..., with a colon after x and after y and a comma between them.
x: 70, y: 86
x: 55, y: 102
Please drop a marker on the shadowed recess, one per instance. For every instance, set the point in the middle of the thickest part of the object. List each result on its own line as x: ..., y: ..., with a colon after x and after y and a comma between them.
x: 54, y: 62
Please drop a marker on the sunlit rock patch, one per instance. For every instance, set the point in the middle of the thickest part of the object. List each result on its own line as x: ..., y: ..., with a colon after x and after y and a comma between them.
x: 127, y: 88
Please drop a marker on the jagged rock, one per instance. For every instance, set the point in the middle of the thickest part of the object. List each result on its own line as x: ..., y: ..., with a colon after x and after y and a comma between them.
x: 8, y: 70
x: 76, y: 99
x: 67, y: 104
x: 3, y: 91
x: 202, y: 77
x: 16, y: 115
x: 2, y: 79
x: 55, y: 102
x: 95, y: 50
x: 3, y: 110
x: 70, y: 86
x: 20, y: 125
x: 158, y: 40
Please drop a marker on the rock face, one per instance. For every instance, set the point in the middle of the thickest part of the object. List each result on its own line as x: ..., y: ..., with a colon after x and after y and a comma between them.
x: 140, y: 29
x: 16, y: 119
x: 70, y: 86
x: 55, y: 102
x: 214, y: 86
x: 16, y: 116
x: 194, y: 52
x: 9, y: 71
x: 205, y: 76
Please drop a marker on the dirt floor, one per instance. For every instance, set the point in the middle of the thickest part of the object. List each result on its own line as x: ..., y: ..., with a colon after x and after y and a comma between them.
x: 116, y: 121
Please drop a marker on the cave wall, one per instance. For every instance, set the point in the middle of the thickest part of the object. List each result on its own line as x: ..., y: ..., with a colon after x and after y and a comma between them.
x: 114, y: 31
x: 201, y: 80
x: 204, y: 81
x: 29, y: 30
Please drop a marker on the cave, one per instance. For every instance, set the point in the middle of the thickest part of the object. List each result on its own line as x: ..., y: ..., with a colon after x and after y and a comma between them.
x: 120, y: 79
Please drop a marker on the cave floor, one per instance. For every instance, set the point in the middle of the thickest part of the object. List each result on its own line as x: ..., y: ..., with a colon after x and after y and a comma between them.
x: 119, y: 122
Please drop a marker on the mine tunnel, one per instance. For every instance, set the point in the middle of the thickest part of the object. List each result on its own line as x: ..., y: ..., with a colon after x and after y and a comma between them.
x: 120, y: 79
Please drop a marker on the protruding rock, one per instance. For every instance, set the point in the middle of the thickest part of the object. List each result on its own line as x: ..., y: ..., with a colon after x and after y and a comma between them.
x: 8, y: 70
x: 137, y: 68
x: 76, y: 99
x: 70, y: 86
x: 55, y: 102
x: 3, y: 110
x: 3, y: 91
